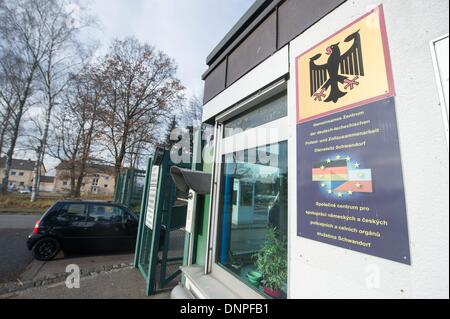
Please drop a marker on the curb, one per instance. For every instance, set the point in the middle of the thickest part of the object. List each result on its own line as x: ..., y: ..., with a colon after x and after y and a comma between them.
x: 20, y: 212
x: 52, y: 279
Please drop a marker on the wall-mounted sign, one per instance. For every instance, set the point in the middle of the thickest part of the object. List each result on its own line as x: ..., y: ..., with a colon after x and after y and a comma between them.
x: 152, y: 192
x: 349, y: 174
x: 348, y: 69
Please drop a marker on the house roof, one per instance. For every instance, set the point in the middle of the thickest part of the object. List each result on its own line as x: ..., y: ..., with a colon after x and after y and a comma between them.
x: 26, y: 165
x: 92, y: 168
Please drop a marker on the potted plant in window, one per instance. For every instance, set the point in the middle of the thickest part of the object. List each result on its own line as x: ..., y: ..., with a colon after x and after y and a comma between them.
x: 235, y: 263
x: 271, y: 261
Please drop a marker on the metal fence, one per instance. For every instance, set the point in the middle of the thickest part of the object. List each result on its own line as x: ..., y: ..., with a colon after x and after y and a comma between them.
x: 129, y: 188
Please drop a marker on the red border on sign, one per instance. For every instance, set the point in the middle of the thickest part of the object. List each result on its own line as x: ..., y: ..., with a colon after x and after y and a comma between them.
x: 387, y: 59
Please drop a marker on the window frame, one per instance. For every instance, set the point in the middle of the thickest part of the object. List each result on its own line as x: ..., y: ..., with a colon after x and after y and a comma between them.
x: 58, y: 213
x: 124, y: 212
x: 226, y: 145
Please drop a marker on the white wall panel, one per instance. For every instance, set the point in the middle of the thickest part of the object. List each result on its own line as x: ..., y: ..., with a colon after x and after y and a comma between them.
x: 317, y: 270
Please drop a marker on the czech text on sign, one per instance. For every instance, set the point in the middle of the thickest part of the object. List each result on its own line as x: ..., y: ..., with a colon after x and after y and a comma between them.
x: 348, y: 69
x: 151, y: 203
x: 350, y: 182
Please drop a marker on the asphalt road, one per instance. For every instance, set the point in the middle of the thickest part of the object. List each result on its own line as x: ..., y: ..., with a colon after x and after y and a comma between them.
x: 16, y: 261
x: 14, y: 255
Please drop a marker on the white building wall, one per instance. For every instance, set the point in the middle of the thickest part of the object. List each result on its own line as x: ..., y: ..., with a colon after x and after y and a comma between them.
x: 318, y: 270
x: 47, y: 187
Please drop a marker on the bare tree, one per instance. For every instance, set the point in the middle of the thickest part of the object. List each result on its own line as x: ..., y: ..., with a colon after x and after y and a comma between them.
x: 140, y: 145
x: 191, y: 112
x: 6, y: 107
x: 63, y: 55
x: 91, y: 99
x: 21, y: 49
x: 140, y: 87
x: 65, y: 142
x: 75, y: 126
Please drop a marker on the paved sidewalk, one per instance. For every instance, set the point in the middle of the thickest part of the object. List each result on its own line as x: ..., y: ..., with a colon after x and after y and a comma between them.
x: 42, y: 269
x: 102, y: 276
x: 39, y: 273
x: 124, y: 283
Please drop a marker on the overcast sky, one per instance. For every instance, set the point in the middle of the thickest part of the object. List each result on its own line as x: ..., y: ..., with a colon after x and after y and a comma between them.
x: 187, y: 30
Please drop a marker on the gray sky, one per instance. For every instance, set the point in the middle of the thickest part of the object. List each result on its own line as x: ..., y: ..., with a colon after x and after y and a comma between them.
x: 187, y: 30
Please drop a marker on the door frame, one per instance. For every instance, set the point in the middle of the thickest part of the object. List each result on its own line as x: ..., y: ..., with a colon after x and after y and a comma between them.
x: 232, y: 144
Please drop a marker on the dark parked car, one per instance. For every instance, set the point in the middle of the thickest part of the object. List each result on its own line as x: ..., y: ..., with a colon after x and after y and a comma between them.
x: 83, y: 226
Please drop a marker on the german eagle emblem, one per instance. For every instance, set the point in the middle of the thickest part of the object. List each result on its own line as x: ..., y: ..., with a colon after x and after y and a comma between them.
x: 338, y: 69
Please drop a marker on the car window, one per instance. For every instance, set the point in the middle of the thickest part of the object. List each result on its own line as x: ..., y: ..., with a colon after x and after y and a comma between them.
x: 106, y: 213
x: 72, y: 213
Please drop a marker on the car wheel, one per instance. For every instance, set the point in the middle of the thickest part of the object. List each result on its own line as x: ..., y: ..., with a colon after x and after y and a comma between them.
x: 46, y: 249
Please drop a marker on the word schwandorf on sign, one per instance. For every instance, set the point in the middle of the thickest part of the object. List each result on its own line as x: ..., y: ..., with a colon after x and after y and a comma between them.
x: 349, y: 173
x: 227, y: 309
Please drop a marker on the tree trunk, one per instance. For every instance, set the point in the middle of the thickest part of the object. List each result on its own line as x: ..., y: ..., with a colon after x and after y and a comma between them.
x: 73, y: 181
x: 37, y: 172
x: 119, y: 159
x: 41, y: 151
x: 36, y: 175
x: 9, y: 158
x: 12, y: 146
x: 18, y: 118
x: 80, y: 177
x: 4, y: 128
x: 77, y: 193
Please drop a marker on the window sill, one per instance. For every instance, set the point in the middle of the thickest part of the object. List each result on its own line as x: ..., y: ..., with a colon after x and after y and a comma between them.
x: 206, y: 286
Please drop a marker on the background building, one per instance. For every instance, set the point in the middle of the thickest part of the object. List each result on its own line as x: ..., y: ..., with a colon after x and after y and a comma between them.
x: 98, y: 180
x: 21, y: 175
x: 47, y: 184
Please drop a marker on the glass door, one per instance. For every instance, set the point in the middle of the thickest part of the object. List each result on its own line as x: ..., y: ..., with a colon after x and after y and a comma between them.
x: 250, y: 209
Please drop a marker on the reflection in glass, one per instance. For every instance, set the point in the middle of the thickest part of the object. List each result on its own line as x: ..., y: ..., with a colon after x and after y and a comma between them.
x: 268, y: 111
x: 254, y: 200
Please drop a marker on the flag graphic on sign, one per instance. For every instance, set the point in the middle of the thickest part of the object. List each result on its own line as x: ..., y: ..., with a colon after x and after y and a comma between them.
x: 342, y: 177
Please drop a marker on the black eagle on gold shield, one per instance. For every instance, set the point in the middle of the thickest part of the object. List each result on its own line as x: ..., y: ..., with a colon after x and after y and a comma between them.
x: 328, y: 75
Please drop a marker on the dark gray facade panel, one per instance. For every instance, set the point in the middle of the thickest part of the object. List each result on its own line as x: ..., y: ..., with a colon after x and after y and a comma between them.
x: 243, y: 22
x: 240, y: 37
x: 259, y: 45
x: 215, y: 82
x: 296, y: 16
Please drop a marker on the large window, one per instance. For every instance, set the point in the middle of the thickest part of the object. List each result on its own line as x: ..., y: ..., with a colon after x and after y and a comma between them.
x: 270, y: 110
x: 253, y: 203
x: 248, y: 245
